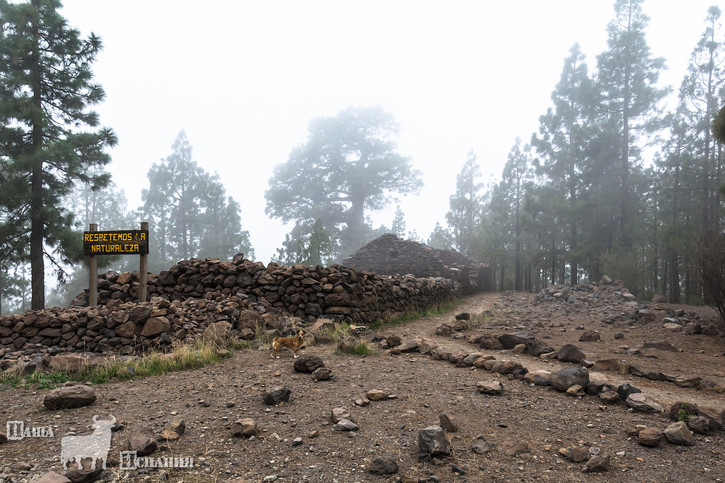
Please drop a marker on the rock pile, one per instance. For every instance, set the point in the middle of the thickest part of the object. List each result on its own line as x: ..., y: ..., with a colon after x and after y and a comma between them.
x: 605, y: 291
x: 391, y: 255
x: 198, y: 296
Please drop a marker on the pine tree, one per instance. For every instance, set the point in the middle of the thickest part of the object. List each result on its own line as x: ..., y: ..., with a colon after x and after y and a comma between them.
x: 49, y: 139
x: 561, y: 143
x: 465, y: 206
x: 628, y: 100
x: 398, y: 225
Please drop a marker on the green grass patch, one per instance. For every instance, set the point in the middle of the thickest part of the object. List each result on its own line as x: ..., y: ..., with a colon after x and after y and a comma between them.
x: 398, y: 318
x: 181, y: 358
x: 355, y: 346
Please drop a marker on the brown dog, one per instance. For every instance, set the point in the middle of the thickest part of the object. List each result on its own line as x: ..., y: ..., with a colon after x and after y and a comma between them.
x: 292, y: 343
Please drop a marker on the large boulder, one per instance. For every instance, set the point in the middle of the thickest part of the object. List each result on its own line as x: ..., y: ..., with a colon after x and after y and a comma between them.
x: 68, y: 397
x: 432, y: 441
x: 563, y: 379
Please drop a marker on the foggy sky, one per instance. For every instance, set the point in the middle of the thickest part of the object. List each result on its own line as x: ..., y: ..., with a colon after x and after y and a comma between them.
x: 244, y: 78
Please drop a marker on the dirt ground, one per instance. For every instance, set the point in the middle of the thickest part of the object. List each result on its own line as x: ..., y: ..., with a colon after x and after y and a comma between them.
x: 208, y: 400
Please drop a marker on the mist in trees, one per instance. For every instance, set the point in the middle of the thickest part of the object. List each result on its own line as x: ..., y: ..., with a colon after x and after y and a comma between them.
x: 611, y: 182
x: 189, y: 213
x: 348, y: 166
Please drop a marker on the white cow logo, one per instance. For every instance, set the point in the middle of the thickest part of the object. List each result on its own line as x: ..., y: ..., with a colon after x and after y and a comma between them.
x: 95, y: 445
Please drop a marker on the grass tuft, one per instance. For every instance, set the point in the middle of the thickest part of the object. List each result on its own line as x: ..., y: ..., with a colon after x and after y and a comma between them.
x: 181, y: 358
x: 398, y: 318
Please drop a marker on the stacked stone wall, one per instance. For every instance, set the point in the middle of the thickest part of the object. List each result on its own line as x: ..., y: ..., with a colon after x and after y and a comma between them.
x: 391, y: 255
x: 193, y: 294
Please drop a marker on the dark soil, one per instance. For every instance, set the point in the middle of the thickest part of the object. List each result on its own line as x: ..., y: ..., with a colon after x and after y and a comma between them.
x: 208, y: 400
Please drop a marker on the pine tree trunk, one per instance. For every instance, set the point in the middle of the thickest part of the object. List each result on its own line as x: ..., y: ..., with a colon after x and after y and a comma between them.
x: 37, y: 269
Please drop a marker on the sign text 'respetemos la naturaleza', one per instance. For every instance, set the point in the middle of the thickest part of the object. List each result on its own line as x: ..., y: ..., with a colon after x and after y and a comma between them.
x: 124, y: 242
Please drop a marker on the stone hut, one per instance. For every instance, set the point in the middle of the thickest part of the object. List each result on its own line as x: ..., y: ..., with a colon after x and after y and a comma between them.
x: 390, y: 255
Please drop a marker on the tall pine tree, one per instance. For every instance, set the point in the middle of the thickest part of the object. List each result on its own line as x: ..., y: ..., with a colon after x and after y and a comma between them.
x: 49, y: 139
x: 628, y: 100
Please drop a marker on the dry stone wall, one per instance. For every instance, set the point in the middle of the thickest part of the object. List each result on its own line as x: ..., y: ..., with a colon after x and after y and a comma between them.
x: 391, y: 255
x: 193, y: 294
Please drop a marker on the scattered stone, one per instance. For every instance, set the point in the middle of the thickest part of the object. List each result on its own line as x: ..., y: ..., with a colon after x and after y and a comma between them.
x: 489, y: 342
x: 339, y: 413
x: 519, y: 349
x: 699, y: 424
x: 575, y: 454
x: 346, y: 425
x: 619, y: 335
x: 142, y: 441
x: 612, y: 365
x: 3, y: 438
x: 506, y: 367
x: 179, y: 427
x: 297, y: 441
x: 277, y: 395
x: 715, y: 415
x: 536, y: 347
x: 447, y: 424
x: 590, y: 336
x: 376, y: 395
x: 427, y: 346
x: 491, y: 388
x: 659, y: 344
x: 68, y: 397
x: 83, y: 475
x: 481, y: 361
x: 688, y: 381
x: 649, y: 437
x: 539, y: 378
x: 509, y: 341
x: 570, y: 353
x: 432, y: 441
x: 444, y: 330
x: 625, y: 390
x: 322, y: 374
x: 514, y: 447
x: 597, y: 383
x: 51, y: 477
x: 677, y: 433
x: 362, y: 400
x: 643, y: 403
x: 407, y: 346
x: 463, y: 316
x: 563, y: 379
x: 470, y: 359
x: 481, y: 446
x: 576, y: 390
x: 308, y: 364
x: 609, y: 397
x: 383, y: 465
x: 597, y: 464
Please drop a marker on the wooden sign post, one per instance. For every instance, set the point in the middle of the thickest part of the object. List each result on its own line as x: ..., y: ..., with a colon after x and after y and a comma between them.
x: 123, y: 242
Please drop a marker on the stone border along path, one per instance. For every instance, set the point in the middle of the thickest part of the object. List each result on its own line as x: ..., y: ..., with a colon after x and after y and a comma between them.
x: 477, y: 304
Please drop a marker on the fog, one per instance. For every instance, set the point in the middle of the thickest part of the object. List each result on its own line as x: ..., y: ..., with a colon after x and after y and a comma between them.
x: 243, y: 79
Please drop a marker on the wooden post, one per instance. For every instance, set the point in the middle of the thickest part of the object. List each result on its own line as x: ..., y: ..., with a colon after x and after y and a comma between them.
x: 93, y: 283
x: 143, y: 268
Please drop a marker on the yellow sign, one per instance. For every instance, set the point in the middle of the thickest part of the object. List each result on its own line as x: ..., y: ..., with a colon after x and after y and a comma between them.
x: 126, y: 242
